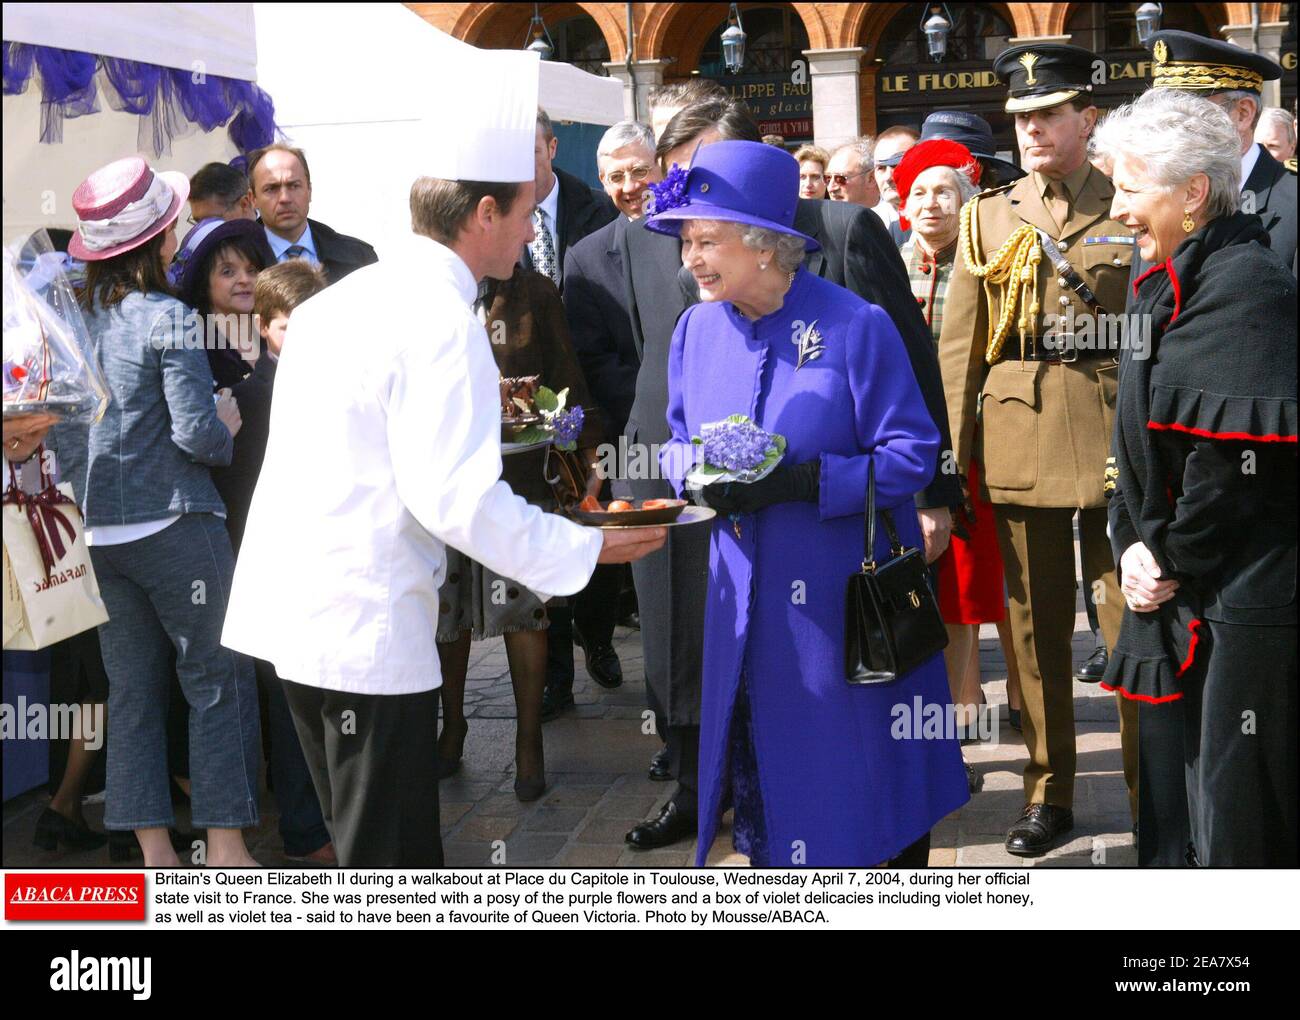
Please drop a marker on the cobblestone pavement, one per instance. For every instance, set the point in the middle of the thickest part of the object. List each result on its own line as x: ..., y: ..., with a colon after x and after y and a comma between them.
x: 596, y: 760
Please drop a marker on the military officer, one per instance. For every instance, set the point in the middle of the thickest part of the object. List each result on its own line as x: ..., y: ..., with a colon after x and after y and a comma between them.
x: 1038, y: 264
x: 1233, y: 78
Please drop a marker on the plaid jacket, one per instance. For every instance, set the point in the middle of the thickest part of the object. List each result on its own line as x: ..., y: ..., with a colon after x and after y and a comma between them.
x: 929, y: 280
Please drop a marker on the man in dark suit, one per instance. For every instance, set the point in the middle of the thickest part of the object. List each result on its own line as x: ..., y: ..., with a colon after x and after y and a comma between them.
x: 568, y: 211
x: 280, y: 182
x: 856, y: 253
x: 597, y: 280
x: 1233, y: 78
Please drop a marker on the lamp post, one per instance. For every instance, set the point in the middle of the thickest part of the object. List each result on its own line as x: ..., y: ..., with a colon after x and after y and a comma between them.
x: 541, y: 39
x: 733, y: 43
x: 1148, y: 21
x: 936, y: 28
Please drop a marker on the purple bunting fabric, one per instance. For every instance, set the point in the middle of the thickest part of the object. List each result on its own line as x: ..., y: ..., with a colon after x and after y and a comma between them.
x: 170, y: 102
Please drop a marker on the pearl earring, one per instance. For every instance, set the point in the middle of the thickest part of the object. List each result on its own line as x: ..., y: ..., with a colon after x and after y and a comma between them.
x: 762, y: 265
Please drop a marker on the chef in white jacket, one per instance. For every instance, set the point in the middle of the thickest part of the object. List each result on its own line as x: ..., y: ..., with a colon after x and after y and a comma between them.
x: 384, y: 448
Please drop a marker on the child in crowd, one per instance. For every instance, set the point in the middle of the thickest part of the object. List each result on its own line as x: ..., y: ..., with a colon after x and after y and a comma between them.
x: 277, y: 291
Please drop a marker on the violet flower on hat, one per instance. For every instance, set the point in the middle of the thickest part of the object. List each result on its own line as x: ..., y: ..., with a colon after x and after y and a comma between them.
x: 670, y: 193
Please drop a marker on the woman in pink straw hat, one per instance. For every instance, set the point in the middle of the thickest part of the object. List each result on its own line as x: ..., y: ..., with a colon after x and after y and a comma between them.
x: 154, y: 523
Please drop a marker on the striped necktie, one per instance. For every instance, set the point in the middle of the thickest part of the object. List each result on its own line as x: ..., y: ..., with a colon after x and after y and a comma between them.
x: 544, y: 260
x: 294, y: 251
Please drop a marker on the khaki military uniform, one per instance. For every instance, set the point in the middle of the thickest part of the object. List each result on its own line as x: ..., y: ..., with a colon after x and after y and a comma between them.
x: 1043, y: 440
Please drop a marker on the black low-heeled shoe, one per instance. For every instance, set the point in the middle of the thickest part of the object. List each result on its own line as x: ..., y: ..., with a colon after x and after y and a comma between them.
x: 54, y: 830
x: 661, y: 770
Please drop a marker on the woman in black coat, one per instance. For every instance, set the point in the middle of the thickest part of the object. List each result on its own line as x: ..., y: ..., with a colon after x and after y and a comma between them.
x: 1203, y: 521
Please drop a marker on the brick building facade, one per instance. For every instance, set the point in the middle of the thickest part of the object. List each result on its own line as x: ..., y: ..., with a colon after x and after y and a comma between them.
x: 830, y: 71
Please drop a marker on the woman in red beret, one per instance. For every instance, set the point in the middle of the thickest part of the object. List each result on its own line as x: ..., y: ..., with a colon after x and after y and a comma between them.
x: 934, y: 179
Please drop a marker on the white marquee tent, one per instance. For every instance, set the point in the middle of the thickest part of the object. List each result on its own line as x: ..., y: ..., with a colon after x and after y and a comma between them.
x: 362, y: 130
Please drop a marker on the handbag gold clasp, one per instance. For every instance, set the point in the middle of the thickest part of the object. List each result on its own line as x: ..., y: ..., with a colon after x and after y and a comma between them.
x: 915, y: 599
x: 868, y: 566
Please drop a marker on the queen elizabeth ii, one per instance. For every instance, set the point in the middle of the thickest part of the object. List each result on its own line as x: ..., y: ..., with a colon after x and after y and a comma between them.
x: 820, y: 773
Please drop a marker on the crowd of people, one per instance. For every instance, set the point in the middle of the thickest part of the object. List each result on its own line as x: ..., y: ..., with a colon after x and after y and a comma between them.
x: 947, y: 309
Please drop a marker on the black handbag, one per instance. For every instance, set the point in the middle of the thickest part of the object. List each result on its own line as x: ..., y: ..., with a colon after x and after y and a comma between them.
x: 892, y: 622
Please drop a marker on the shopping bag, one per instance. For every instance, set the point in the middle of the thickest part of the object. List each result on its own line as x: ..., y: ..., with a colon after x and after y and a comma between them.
x: 50, y: 587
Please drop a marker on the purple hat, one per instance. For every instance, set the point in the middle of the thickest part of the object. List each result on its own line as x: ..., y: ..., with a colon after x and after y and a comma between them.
x: 123, y: 205
x: 740, y: 182
x: 203, y: 241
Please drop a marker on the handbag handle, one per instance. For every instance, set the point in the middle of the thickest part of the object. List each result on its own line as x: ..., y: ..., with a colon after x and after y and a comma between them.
x: 47, y: 479
x: 895, y: 543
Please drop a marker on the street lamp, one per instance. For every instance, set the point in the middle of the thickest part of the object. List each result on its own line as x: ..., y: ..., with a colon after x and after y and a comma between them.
x: 733, y: 43
x: 1148, y: 21
x: 541, y: 44
x: 936, y: 29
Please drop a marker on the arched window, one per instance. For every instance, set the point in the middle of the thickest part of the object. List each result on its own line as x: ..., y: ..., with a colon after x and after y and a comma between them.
x: 1105, y: 28
x: 979, y: 34
x: 909, y: 85
x: 579, y: 41
x: 775, y: 37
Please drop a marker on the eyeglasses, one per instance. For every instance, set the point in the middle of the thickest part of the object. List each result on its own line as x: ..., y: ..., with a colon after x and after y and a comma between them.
x: 842, y: 179
x: 638, y: 174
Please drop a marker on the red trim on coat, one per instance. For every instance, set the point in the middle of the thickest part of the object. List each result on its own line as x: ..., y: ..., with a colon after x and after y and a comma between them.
x: 1193, y: 628
x: 1176, y: 427
x: 1178, y: 290
x: 1154, y: 269
x: 1142, y: 697
x: 1167, y: 266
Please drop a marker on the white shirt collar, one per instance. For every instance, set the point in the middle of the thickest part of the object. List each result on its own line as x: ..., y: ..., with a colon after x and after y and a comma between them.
x: 279, y: 245
x: 886, y: 212
x: 1248, y: 162
x: 551, y: 204
x: 453, y: 264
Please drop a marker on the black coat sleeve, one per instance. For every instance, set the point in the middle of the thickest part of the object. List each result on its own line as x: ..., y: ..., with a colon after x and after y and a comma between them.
x: 1224, y: 484
x: 612, y: 380
x: 874, y: 270
x: 236, y: 482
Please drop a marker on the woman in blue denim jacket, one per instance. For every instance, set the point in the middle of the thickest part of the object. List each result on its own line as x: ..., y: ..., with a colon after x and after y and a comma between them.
x: 153, y: 523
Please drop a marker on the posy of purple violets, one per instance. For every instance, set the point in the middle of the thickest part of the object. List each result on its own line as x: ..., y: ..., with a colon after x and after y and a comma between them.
x: 568, y: 426
x: 735, y: 446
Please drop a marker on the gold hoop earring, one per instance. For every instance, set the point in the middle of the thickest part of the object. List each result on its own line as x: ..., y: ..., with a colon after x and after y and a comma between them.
x: 1188, y: 225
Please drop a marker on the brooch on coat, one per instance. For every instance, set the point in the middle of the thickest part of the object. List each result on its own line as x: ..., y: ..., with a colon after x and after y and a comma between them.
x: 810, y: 345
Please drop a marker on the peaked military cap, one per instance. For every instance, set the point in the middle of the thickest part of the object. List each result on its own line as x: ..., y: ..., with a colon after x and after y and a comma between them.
x: 1039, y: 75
x: 1194, y: 63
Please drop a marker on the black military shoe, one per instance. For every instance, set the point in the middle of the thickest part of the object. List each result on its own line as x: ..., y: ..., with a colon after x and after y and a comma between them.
x: 1092, y: 671
x: 660, y: 772
x: 1036, y: 831
x: 602, y: 664
x: 670, y: 827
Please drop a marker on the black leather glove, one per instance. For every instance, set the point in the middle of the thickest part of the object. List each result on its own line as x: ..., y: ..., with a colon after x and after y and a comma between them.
x: 800, y: 482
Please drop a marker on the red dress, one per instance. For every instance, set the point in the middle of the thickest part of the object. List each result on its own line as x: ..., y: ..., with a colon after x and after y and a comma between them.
x: 970, y: 570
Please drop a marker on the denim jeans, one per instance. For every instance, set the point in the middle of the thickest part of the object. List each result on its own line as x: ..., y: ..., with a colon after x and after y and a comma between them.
x: 170, y: 590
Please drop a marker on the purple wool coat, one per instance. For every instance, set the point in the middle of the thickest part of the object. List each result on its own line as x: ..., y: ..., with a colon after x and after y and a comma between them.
x: 817, y: 767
